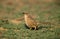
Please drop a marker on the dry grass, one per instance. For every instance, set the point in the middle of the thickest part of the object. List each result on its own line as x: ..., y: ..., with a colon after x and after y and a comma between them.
x: 3, y: 29
x: 15, y: 21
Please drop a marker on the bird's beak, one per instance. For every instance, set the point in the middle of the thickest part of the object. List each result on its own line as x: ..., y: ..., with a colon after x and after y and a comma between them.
x: 23, y: 13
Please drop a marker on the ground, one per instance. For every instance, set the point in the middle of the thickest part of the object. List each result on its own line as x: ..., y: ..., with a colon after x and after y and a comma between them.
x: 46, y: 10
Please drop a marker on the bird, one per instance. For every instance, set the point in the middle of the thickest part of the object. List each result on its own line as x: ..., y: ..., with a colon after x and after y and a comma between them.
x: 29, y: 21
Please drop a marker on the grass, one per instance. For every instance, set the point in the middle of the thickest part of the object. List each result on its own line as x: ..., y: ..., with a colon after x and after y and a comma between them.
x: 46, y: 11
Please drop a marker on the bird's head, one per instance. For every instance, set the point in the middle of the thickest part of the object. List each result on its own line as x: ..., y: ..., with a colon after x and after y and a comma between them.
x: 25, y: 13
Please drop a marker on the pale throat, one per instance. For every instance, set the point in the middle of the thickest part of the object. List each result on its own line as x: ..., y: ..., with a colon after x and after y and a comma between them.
x: 26, y: 18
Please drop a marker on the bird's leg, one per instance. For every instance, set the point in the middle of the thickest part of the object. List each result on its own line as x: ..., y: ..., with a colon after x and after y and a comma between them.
x: 30, y: 28
x: 35, y: 27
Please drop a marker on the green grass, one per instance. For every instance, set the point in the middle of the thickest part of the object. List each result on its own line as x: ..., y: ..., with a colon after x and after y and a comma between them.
x: 22, y: 32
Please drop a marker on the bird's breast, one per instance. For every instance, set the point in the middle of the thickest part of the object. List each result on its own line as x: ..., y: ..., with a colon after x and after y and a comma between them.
x: 26, y: 19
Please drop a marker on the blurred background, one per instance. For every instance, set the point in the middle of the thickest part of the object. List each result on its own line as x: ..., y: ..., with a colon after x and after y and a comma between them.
x: 46, y: 10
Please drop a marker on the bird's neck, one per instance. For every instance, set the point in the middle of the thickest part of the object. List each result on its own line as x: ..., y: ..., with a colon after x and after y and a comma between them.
x: 25, y: 17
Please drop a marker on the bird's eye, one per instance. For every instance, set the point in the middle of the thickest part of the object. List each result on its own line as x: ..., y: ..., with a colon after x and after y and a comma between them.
x: 23, y: 13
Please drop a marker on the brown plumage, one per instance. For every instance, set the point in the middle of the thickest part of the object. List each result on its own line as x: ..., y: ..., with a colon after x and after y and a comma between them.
x: 29, y: 21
